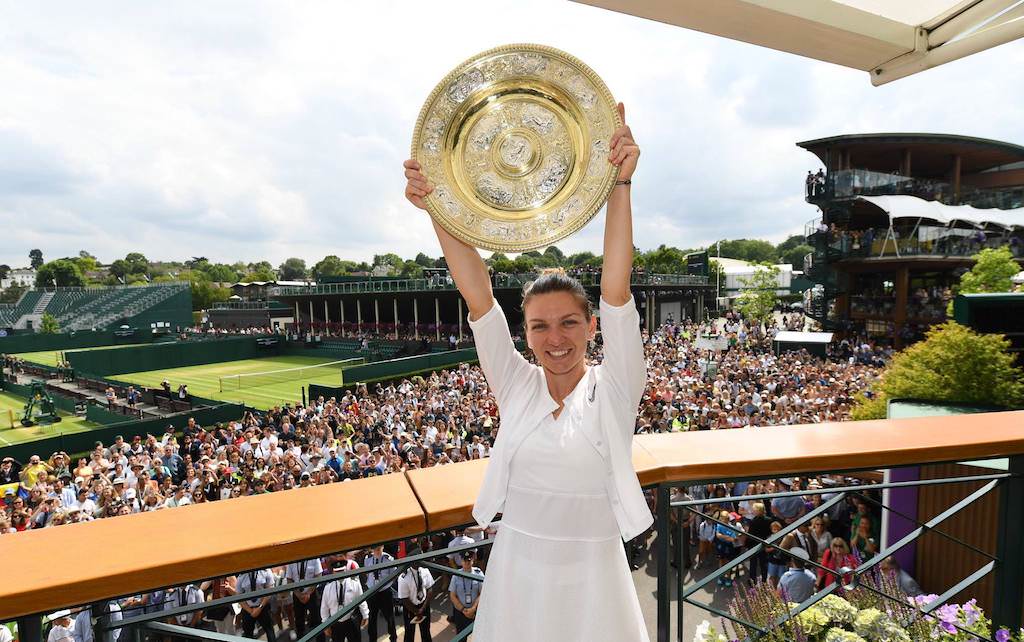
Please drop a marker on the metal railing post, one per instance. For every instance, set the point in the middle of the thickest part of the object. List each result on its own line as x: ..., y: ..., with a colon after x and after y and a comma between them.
x: 1009, y: 572
x: 664, y: 610
x: 30, y: 629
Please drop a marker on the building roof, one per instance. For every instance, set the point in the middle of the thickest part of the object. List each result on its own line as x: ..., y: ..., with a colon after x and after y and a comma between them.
x: 931, y: 153
x: 887, y: 38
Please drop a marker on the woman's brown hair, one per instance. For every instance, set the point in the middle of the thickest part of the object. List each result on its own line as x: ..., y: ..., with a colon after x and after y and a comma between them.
x: 556, y: 280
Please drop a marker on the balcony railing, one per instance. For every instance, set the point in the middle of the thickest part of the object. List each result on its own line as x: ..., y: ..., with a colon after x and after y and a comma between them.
x: 500, y: 280
x: 87, y: 564
x: 923, y: 240
x: 846, y: 183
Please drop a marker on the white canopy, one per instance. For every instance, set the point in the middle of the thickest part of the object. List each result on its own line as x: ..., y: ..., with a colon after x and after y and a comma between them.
x: 803, y: 337
x: 911, y: 207
x: 890, y: 39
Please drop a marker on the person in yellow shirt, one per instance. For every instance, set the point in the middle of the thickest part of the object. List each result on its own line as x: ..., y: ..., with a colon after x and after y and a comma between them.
x: 34, y: 471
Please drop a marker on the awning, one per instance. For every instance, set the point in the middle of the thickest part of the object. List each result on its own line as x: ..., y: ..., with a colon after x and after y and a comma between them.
x: 902, y: 207
x: 890, y: 39
x: 803, y: 337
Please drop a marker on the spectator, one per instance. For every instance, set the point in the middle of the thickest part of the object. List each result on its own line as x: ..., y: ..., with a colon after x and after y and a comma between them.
x: 797, y: 584
x: 836, y: 558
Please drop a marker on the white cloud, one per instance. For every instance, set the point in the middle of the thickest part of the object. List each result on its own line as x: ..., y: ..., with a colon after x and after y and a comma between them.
x: 251, y: 130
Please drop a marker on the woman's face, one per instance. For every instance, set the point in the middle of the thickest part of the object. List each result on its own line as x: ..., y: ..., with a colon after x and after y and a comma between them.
x: 557, y: 331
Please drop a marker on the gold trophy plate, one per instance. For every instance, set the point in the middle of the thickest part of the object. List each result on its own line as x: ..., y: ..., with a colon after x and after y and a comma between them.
x: 515, y: 142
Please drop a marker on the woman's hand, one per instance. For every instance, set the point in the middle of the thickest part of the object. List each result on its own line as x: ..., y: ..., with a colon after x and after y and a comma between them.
x: 624, y: 151
x: 417, y: 185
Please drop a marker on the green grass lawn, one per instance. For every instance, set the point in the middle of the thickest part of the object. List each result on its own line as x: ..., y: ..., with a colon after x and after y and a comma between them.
x: 50, y: 357
x: 8, y: 402
x: 204, y: 380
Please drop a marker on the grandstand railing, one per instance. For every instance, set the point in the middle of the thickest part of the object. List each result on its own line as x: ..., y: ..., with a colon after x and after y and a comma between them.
x: 249, y: 305
x: 500, y: 280
x: 63, y: 567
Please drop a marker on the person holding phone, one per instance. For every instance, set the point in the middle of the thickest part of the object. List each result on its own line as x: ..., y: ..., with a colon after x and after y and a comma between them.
x: 560, y: 470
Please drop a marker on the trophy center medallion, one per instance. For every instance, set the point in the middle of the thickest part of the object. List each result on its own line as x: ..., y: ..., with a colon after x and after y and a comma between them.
x: 517, y: 152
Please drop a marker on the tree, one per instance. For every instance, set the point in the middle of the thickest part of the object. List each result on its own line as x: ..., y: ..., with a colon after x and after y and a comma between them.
x: 64, y: 272
x: 221, y: 273
x: 665, y: 260
x: 753, y: 250
x: 795, y: 255
x: 4, y: 271
x: 411, y: 270
x: 331, y: 265
x: 86, y: 262
x: 48, y: 324
x: 501, y: 263
x: 716, y: 274
x: 523, y: 264
x: 35, y: 259
x: 993, y: 271
x: 293, y: 269
x: 424, y: 260
x: 953, y: 364
x: 119, y: 268
x: 789, y: 244
x: 579, y: 258
x: 137, y: 263
x: 392, y: 261
x: 759, y: 298
x: 555, y: 254
x: 205, y: 294
x: 12, y: 294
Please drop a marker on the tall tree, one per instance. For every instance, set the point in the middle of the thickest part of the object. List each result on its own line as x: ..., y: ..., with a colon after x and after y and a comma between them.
x: 753, y: 250
x: 331, y: 265
x: 759, y: 298
x: 137, y: 263
x: 795, y: 256
x: 424, y: 260
x: 35, y: 258
x: 556, y: 254
x: 293, y: 269
x: 62, y: 272
x: 665, y: 260
x: 4, y: 271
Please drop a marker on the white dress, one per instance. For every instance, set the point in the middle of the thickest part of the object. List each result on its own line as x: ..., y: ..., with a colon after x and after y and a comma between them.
x: 557, y: 571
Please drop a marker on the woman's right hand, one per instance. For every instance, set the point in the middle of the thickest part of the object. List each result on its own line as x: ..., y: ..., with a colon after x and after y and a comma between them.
x: 417, y: 186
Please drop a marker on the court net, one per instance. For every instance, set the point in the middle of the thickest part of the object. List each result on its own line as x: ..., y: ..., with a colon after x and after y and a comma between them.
x: 257, y: 379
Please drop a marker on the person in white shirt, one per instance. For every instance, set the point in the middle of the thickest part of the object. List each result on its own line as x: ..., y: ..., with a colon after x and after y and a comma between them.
x: 256, y: 610
x: 339, y: 594
x: 414, y: 590
x: 304, y: 603
x: 559, y: 415
x: 382, y: 602
x: 62, y: 629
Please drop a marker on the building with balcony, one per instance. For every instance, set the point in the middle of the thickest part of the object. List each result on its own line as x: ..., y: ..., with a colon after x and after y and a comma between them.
x: 900, y: 216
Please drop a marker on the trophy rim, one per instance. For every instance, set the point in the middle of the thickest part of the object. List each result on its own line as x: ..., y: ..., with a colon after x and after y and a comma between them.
x: 433, y: 207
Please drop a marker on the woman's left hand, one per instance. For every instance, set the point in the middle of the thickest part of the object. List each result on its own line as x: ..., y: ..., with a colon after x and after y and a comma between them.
x: 624, y: 150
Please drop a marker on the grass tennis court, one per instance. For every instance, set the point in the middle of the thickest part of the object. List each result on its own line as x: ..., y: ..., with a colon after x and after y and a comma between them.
x: 204, y: 380
x: 68, y: 424
x: 50, y: 357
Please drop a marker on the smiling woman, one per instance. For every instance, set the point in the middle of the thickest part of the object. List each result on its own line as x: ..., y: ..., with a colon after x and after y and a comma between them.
x: 560, y: 471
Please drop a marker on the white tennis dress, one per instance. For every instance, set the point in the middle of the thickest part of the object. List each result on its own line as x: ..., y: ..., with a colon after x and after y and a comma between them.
x: 557, y: 571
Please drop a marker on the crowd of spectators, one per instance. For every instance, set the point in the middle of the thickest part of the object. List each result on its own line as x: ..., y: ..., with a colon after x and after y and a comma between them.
x: 445, y: 417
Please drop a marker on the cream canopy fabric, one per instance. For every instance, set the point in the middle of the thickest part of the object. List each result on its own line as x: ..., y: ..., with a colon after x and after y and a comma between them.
x: 890, y: 39
x: 911, y: 207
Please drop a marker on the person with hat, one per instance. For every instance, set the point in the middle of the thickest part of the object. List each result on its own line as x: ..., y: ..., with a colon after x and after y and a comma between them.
x: 464, y: 592
x: 62, y: 629
x: 382, y: 602
x: 339, y: 594
x: 797, y: 584
x: 414, y: 590
x: 9, y: 471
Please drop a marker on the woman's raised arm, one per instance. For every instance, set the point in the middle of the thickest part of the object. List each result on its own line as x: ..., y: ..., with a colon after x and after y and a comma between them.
x: 618, y: 226
x: 464, y: 262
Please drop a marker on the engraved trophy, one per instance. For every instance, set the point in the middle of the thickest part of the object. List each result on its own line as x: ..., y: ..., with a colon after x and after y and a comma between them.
x: 515, y: 141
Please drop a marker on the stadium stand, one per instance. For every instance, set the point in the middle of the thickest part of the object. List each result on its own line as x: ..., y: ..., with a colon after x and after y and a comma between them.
x: 84, y: 308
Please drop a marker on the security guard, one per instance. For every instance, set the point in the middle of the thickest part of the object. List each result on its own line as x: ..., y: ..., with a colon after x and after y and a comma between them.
x: 339, y: 594
x: 305, y: 601
x: 256, y: 610
x: 383, y: 601
x: 465, y: 593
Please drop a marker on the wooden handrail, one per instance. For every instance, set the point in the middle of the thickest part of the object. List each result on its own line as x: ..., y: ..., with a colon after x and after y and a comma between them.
x: 57, y: 567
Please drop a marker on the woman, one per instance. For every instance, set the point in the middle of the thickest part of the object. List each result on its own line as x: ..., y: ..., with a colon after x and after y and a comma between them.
x: 821, y: 536
x: 560, y: 471
x: 835, y: 558
x: 727, y: 540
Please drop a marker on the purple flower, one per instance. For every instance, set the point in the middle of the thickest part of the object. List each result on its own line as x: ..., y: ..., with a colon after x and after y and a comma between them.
x: 1002, y: 635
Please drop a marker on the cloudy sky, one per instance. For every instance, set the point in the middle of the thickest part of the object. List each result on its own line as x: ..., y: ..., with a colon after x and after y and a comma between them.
x: 254, y: 130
